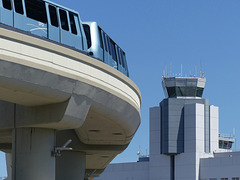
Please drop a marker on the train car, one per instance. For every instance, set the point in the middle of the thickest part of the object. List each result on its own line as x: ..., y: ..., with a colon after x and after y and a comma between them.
x: 45, y: 19
x: 101, y: 46
x: 49, y: 20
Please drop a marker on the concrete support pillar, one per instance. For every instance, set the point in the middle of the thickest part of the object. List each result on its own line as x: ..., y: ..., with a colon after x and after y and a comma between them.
x: 71, y: 165
x: 31, y: 152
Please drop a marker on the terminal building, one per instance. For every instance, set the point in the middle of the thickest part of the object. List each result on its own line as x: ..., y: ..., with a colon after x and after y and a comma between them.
x: 185, y: 143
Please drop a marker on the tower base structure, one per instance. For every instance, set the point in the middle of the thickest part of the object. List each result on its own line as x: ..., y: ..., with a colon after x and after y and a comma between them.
x: 184, y: 139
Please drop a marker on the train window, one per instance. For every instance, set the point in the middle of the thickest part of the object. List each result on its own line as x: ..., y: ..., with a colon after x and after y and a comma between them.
x: 87, y: 32
x: 122, y: 57
x: 64, y: 21
x: 72, y: 23
x: 109, y: 45
x: 105, y: 41
x: 113, y: 49
x: 100, y: 37
x: 124, y: 60
x: 119, y: 56
x: 53, y: 15
x: 7, y: 4
x: 36, y: 10
x: 18, y: 6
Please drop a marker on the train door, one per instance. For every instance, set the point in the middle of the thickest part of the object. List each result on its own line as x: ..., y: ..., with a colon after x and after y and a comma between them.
x: 53, y: 24
x: 77, y: 31
x: 110, y: 59
x: 101, y: 49
x: 120, y: 67
x: 113, y: 57
x: 106, y: 48
x: 125, y: 64
x: 70, y: 32
x: 36, y: 20
x: 19, y: 16
x: 6, y: 13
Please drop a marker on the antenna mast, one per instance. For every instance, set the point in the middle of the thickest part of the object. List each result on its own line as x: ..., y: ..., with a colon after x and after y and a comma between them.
x: 181, y: 70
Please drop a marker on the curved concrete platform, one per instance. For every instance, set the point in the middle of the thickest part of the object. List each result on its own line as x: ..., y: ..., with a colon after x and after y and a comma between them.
x: 47, y: 85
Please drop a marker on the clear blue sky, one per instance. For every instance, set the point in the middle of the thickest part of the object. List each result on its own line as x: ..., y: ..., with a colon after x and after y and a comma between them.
x: 157, y: 33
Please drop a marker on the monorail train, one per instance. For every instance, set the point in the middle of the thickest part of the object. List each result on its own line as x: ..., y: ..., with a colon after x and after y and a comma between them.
x: 50, y: 20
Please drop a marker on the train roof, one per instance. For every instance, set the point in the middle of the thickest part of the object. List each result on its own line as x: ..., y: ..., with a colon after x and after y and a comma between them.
x: 88, y: 22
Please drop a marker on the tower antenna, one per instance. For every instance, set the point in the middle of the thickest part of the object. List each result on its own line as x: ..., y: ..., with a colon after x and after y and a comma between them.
x: 196, y: 71
x: 201, y: 67
x: 166, y: 71
x: 181, y: 70
x: 170, y: 68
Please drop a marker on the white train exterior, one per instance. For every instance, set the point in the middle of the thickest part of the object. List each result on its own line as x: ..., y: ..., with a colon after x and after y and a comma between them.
x: 60, y: 24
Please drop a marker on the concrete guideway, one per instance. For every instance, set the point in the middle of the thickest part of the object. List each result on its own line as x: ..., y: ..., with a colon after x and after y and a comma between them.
x: 52, y: 92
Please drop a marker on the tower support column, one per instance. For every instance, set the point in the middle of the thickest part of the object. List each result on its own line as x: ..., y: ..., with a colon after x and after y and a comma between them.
x: 31, y: 152
x: 71, y: 165
x: 9, y: 165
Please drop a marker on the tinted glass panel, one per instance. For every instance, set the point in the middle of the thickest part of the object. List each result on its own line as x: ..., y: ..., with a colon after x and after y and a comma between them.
x: 185, y: 91
x: 113, y: 50
x: 220, y: 144
x: 199, y: 92
x: 53, y: 16
x: 122, y: 57
x: 36, y: 10
x: 171, y: 91
x: 124, y: 60
x: 18, y: 6
x: 109, y: 45
x: 119, y: 57
x: 72, y: 23
x: 105, y: 42
x: 100, y: 37
x: 7, y: 4
x: 87, y: 32
x: 64, y: 21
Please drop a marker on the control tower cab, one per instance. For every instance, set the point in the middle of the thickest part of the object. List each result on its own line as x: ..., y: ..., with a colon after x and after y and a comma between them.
x: 183, y: 87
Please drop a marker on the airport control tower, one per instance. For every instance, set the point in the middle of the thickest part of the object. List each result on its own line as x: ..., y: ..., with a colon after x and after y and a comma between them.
x: 188, y: 129
x: 185, y: 143
x: 180, y: 92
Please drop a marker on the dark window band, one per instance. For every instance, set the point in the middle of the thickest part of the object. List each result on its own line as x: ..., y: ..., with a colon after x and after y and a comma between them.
x: 184, y: 91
